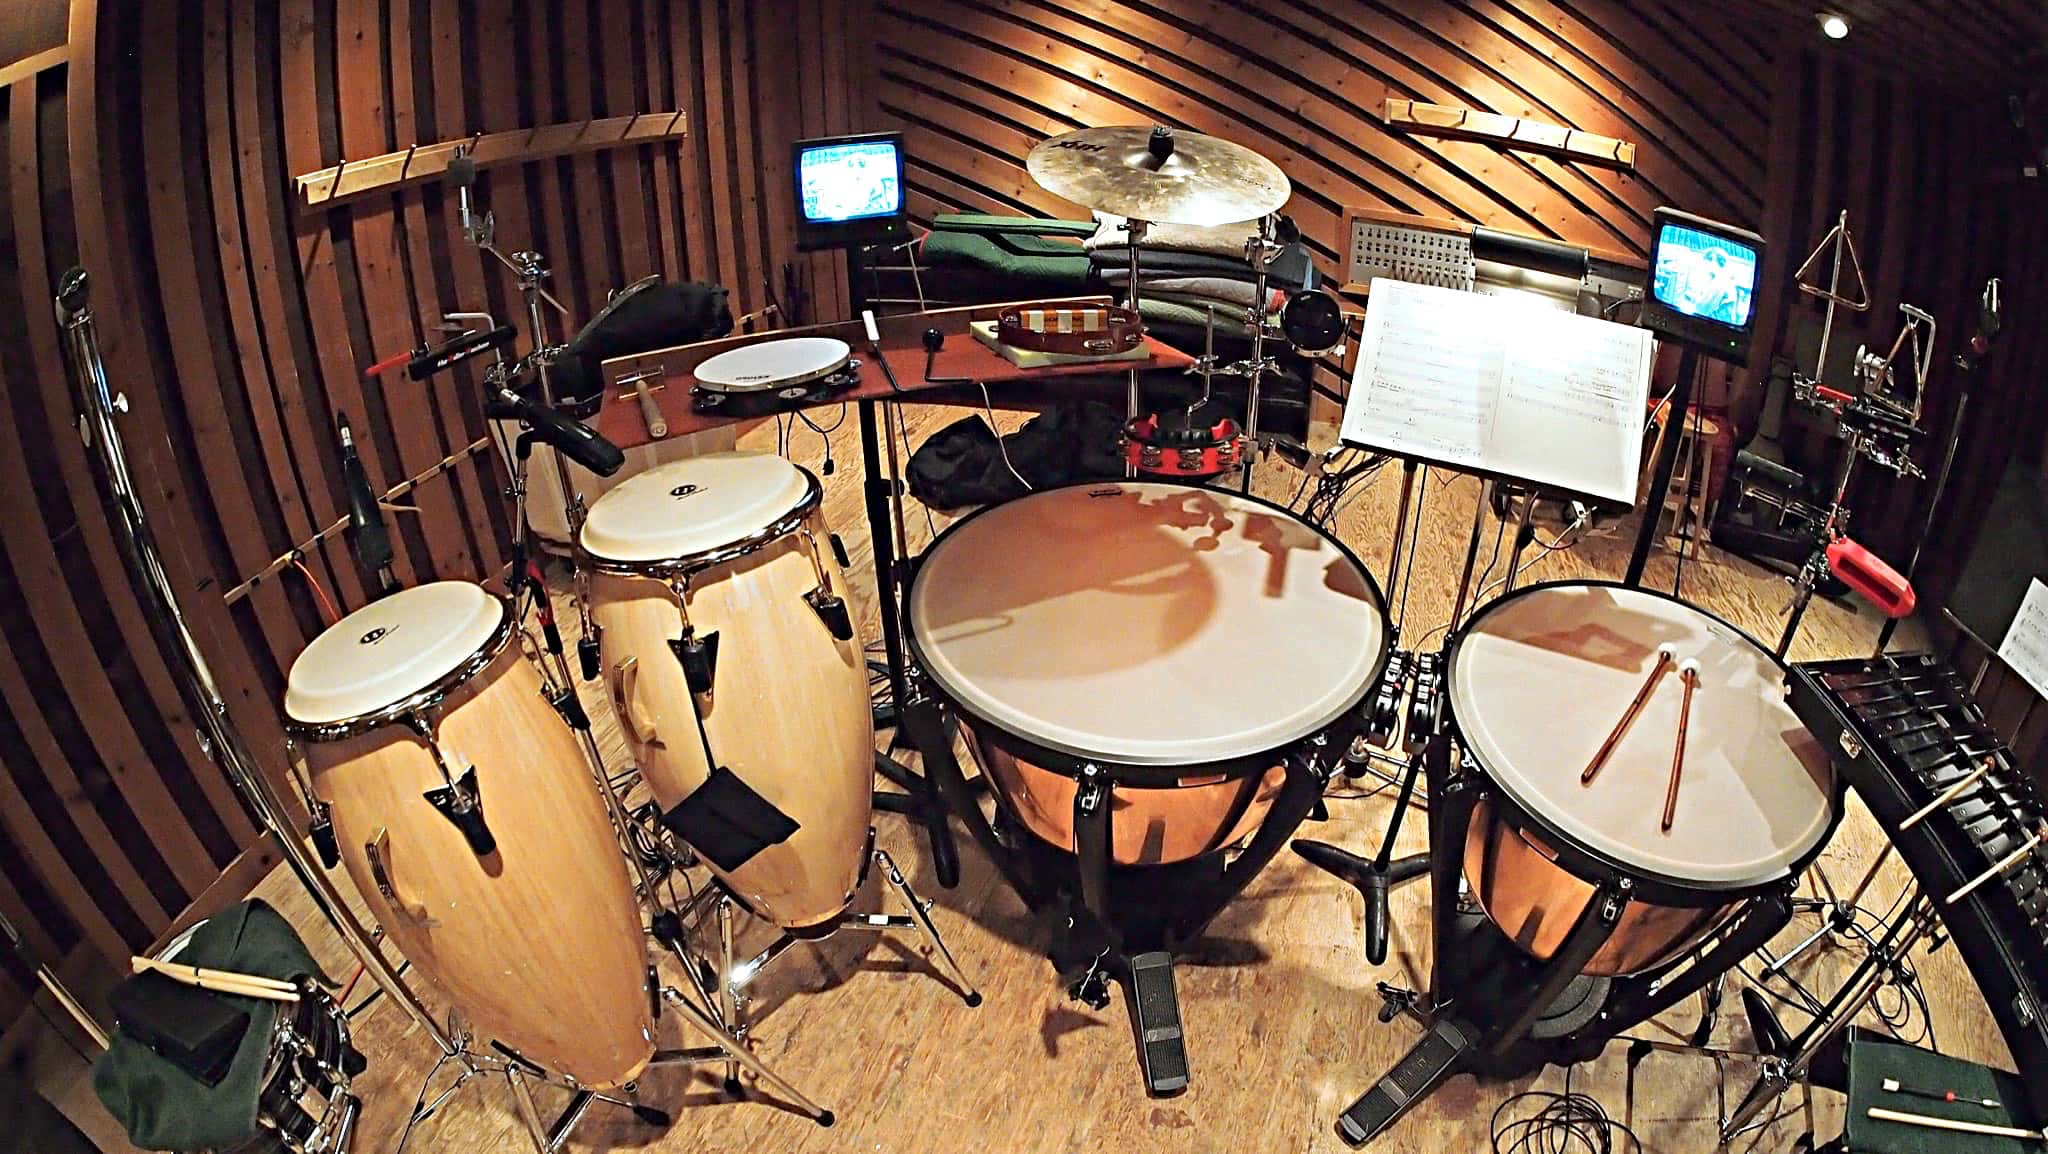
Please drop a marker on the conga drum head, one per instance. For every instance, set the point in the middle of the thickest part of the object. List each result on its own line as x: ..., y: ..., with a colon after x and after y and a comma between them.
x: 694, y: 506
x: 778, y: 364
x: 390, y: 650
x: 1539, y: 679
x: 1147, y: 624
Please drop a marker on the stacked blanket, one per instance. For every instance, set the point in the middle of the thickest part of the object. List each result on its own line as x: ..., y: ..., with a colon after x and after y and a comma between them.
x: 1185, y: 270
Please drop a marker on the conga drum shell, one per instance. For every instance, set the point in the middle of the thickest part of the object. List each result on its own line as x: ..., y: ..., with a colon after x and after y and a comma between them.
x: 1147, y: 826
x: 1535, y: 902
x: 539, y: 944
x: 789, y: 713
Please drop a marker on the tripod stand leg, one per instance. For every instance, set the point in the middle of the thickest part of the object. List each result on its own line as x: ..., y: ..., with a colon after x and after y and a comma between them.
x: 755, y: 1066
x: 728, y: 997
x: 921, y: 914
x: 529, y: 1114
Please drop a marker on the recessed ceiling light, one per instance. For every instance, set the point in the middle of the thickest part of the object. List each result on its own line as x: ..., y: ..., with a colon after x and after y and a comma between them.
x: 1833, y: 26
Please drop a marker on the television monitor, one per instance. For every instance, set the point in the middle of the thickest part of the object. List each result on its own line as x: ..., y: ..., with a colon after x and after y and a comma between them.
x: 849, y: 191
x: 1703, y: 284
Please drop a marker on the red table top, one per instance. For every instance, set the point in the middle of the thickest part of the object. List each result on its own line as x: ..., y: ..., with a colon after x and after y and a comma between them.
x: 620, y: 421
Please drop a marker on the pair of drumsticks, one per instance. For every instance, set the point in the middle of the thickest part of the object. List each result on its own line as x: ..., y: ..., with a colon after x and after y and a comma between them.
x: 222, y: 981
x: 1689, y: 676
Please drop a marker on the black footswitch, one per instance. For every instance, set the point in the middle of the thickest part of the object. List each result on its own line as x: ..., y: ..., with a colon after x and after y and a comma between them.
x: 1155, y: 1014
x: 1435, y: 1056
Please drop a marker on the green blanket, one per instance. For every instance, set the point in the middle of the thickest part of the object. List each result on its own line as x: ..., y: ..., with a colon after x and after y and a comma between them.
x: 1872, y: 1062
x: 162, y: 1107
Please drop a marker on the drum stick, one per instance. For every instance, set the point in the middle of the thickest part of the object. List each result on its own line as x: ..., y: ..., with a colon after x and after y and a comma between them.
x: 1928, y: 1120
x: 2004, y: 865
x: 221, y: 981
x: 1628, y: 718
x: 1689, y: 674
x: 1947, y: 795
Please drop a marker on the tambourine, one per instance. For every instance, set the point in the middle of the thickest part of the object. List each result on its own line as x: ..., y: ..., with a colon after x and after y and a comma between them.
x: 1072, y: 330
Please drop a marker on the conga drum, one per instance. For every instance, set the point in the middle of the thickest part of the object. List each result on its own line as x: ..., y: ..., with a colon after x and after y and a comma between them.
x: 467, y: 815
x: 734, y: 670
x: 1536, y: 683
x: 1174, y: 641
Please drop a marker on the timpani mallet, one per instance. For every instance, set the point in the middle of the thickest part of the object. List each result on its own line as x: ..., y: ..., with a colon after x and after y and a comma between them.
x: 1689, y: 675
x: 1664, y: 655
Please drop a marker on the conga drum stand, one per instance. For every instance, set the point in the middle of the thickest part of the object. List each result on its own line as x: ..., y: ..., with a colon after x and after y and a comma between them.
x: 734, y: 975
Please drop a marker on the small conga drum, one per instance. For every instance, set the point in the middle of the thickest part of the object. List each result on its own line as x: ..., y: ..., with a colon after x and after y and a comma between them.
x: 1173, y: 641
x: 1538, y: 680
x: 470, y: 821
x: 735, y: 673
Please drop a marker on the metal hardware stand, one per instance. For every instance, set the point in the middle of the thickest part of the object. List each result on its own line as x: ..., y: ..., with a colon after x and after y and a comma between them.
x: 735, y: 976
x: 1879, y: 966
x: 884, y: 505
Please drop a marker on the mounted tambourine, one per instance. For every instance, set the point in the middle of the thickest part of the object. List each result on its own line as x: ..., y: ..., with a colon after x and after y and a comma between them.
x: 754, y: 380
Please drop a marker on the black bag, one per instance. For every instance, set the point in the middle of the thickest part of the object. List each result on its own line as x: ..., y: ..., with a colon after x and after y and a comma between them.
x: 648, y: 314
x: 962, y: 464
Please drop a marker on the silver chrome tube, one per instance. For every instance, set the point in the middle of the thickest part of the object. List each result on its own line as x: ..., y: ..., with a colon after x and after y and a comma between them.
x: 218, y: 734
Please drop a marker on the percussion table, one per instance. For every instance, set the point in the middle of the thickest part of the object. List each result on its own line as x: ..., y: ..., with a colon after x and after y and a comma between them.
x: 621, y: 421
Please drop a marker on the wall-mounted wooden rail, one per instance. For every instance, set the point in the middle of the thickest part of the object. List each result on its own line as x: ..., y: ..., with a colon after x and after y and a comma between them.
x: 358, y: 178
x: 1510, y: 132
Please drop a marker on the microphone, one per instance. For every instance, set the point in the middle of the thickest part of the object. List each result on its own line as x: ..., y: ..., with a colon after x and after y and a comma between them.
x: 462, y: 173
x: 367, y: 537
x: 579, y: 441
x: 427, y: 362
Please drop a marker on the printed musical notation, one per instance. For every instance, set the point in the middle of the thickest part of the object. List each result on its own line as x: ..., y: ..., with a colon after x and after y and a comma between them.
x: 1502, y: 386
x: 2025, y: 647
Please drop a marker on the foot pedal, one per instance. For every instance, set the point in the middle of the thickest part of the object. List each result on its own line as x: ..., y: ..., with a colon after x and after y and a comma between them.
x: 1406, y: 1084
x: 1155, y: 1011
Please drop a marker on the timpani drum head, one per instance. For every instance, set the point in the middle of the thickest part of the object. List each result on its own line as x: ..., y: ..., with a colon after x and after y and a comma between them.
x: 784, y: 363
x: 389, y: 650
x: 692, y: 506
x: 1538, y: 680
x: 1147, y: 624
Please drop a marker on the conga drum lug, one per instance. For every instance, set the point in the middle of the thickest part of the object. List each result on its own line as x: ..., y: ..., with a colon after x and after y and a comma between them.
x: 698, y: 656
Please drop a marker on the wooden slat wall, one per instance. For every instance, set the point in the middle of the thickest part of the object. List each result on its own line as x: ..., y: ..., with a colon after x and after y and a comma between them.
x: 238, y: 322
x: 1751, y: 119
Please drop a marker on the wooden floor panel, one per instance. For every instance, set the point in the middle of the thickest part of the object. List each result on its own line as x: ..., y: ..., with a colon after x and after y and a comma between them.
x: 1279, y: 1003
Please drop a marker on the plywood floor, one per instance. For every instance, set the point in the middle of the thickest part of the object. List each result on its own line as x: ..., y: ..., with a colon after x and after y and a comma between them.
x: 1279, y: 1003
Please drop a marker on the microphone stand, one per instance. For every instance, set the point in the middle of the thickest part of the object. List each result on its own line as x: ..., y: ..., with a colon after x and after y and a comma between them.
x: 55, y: 985
x: 190, y: 671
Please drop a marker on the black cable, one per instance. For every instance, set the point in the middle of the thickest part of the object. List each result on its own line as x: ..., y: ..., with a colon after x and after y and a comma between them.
x: 1564, y: 1123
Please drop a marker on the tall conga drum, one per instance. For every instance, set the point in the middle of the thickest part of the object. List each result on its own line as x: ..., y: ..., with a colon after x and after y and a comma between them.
x: 731, y: 658
x: 470, y: 821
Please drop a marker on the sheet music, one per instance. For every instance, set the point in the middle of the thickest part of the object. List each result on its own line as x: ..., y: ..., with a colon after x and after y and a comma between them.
x: 2025, y: 647
x: 1502, y: 385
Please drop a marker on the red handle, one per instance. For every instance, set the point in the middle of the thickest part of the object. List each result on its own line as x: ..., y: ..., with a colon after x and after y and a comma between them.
x: 387, y: 364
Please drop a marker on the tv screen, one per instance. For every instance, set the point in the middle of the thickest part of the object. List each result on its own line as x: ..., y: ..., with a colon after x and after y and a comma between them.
x: 1702, y: 283
x: 1704, y: 275
x: 849, y: 191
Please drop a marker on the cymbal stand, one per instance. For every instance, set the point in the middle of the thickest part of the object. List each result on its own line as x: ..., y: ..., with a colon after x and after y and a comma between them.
x: 54, y: 985
x: 734, y: 975
x: 1134, y: 406
x: 1260, y: 251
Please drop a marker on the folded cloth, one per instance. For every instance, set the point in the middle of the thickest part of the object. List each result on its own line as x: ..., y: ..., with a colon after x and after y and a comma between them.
x: 1291, y: 270
x: 1160, y: 311
x: 161, y: 1106
x: 1225, y: 310
x: 1055, y: 265
x: 1224, y: 240
x: 1217, y: 288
